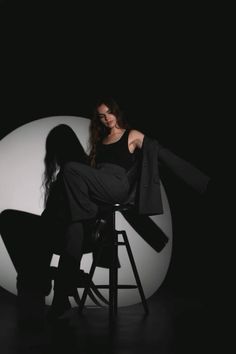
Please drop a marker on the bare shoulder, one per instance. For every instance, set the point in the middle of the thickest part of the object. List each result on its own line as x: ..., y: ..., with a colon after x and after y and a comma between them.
x: 135, y: 139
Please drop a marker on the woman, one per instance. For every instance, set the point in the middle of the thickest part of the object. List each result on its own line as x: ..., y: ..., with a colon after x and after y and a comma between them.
x: 85, y: 187
x: 113, y: 154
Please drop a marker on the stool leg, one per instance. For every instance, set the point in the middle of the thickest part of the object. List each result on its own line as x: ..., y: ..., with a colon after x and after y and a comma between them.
x: 111, y: 293
x: 113, y: 272
x: 131, y: 257
x: 116, y: 274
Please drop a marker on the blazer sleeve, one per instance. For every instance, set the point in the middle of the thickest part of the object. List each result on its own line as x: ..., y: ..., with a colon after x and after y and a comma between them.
x: 184, y: 170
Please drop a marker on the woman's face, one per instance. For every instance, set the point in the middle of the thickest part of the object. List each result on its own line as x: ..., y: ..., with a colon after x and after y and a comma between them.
x: 106, y: 117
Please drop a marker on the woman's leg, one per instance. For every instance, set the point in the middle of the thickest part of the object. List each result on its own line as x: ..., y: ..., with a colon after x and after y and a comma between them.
x: 86, y: 186
x: 68, y: 270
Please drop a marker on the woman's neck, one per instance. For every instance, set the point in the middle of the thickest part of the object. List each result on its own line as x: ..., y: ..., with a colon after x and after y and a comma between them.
x: 115, y: 131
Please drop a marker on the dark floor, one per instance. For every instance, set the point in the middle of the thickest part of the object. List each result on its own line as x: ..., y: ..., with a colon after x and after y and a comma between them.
x: 175, y: 325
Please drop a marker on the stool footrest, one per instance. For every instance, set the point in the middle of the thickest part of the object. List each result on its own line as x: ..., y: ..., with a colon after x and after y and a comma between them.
x: 118, y: 286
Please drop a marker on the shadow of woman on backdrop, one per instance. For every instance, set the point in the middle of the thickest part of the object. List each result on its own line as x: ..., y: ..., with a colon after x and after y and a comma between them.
x: 32, y: 239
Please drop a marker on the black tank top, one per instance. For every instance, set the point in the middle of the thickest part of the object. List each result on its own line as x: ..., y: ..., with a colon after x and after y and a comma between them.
x: 116, y: 153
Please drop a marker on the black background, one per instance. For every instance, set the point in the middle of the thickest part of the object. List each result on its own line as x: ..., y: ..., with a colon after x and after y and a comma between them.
x: 161, y: 67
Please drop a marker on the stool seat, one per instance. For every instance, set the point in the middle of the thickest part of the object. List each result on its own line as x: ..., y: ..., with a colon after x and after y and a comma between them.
x: 121, y: 207
x: 106, y: 210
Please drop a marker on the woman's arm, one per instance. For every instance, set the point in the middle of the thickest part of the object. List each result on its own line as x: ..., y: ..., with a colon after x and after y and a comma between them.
x: 135, y: 140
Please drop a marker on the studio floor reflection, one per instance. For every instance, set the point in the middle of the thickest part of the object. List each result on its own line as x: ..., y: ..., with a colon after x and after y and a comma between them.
x: 176, y: 324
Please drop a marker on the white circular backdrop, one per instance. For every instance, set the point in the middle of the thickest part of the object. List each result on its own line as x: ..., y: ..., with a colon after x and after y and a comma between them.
x: 21, y: 164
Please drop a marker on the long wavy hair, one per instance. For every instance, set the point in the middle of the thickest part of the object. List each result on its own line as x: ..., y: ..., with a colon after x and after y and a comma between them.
x: 62, y: 145
x: 97, y: 130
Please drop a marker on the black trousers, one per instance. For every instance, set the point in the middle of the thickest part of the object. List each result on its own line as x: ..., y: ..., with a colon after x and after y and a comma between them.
x: 77, y: 194
x: 86, y: 187
x: 64, y: 224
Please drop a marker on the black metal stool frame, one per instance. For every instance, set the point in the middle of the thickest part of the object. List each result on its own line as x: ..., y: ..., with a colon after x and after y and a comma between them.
x: 113, y: 269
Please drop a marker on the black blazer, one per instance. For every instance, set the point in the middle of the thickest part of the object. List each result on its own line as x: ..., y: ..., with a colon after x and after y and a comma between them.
x: 145, y: 192
x: 149, y: 199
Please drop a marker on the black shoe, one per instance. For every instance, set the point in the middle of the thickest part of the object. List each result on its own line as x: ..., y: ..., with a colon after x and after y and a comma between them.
x: 58, y: 308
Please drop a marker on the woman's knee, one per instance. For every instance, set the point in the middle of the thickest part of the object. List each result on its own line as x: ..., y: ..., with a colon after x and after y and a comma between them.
x: 77, y: 168
x: 70, y: 167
